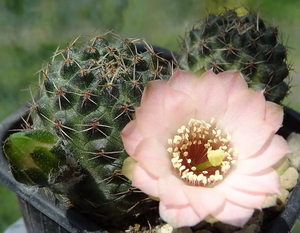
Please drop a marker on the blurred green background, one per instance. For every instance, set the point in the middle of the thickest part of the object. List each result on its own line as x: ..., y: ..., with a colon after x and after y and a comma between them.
x: 31, y: 30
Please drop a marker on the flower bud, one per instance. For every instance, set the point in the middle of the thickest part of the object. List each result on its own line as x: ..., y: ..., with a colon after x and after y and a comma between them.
x: 32, y: 157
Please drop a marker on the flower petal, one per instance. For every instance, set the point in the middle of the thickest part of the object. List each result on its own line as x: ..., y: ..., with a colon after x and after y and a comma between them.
x: 151, y: 155
x: 274, y: 115
x: 211, y: 96
x: 266, y: 181
x: 233, y: 214
x: 274, y: 152
x: 178, y: 109
x: 154, y: 91
x: 204, y: 200
x: 171, y: 191
x: 178, y: 216
x: 144, y: 181
x: 182, y: 80
x: 243, y: 107
x: 131, y: 137
x: 151, y: 122
x: 233, y: 80
x: 242, y: 198
x: 249, y: 142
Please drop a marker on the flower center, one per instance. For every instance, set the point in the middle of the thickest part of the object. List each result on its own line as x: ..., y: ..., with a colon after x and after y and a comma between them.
x: 201, y: 153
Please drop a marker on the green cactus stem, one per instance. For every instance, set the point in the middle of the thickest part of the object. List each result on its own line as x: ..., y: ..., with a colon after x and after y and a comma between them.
x: 89, y: 92
x: 226, y: 41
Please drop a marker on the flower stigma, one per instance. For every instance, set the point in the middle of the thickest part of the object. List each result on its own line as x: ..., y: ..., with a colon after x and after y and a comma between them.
x: 201, y: 153
x: 216, y: 157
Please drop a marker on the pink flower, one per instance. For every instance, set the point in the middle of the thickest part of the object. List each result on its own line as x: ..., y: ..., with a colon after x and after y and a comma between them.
x: 205, y: 147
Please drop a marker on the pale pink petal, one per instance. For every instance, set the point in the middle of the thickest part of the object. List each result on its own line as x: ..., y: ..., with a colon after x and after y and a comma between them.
x: 152, y: 156
x: 182, y: 80
x: 210, y: 96
x: 178, y: 109
x: 246, y: 199
x: 266, y: 181
x: 144, y: 181
x: 131, y: 137
x: 274, y: 115
x: 243, y: 107
x: 178, y: 216
x: 171, y: 191
x: 249, y: 142
x: 274, y: 151
x: 204, y: 200
x: 233, y: 80
x: 154, y: 91
x: 151, y: 122
x: 234, y: 214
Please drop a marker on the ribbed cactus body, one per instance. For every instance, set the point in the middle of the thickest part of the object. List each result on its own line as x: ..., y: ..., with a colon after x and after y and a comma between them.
x: 226, y: 41
x: 88, y: 94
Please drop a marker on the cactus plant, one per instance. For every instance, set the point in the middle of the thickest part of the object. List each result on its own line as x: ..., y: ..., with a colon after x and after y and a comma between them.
x: 226, y: 41
x: 73, y: 147
x: 71, y: 142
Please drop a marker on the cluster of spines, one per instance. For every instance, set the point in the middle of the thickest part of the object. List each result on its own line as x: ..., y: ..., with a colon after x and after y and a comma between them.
x: 226, y: 41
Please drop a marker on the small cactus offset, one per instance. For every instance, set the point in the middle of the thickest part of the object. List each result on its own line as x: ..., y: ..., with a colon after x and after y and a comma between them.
x: 88, y: 94
x: 226, y: 41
